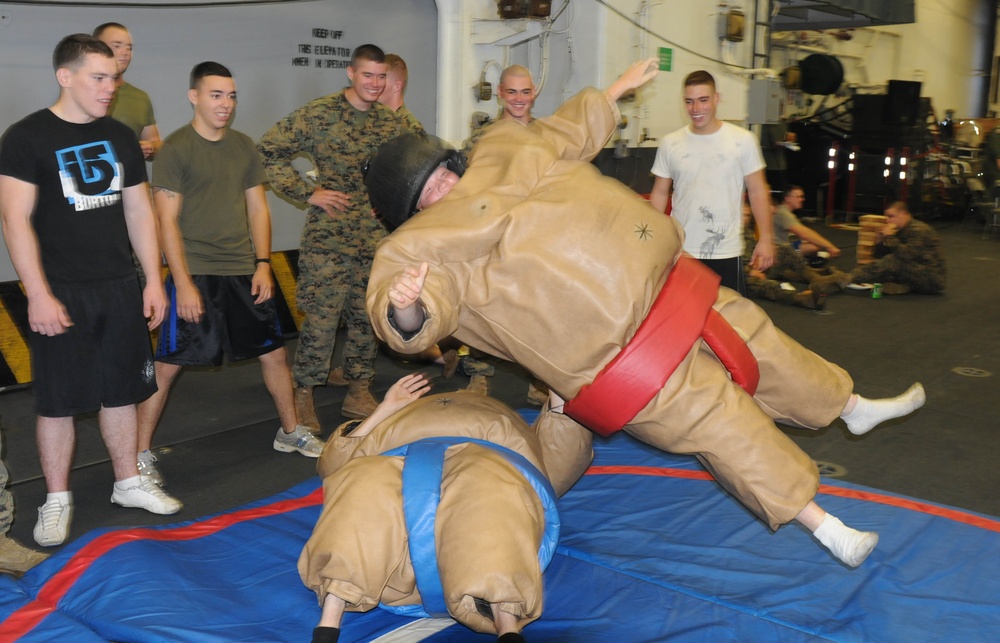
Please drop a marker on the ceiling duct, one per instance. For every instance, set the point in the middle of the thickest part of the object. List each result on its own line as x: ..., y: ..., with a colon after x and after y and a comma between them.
x: 795, y: 15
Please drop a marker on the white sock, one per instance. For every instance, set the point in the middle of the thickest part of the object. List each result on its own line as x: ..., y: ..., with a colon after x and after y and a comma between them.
x: 128, y: 483
x: 65, y: 498
x: 868, y: 414
x: 849, y: 545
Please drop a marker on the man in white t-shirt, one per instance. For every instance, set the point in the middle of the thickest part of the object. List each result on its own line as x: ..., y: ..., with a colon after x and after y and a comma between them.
x: 708, y: 164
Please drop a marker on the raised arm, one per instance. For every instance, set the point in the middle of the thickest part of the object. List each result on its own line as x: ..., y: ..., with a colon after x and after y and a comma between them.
x: 406, y: 390
x: 583, y: 124
x: 637, y: 75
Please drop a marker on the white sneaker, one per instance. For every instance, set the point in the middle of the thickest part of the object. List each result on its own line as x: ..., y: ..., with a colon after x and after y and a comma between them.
x: 146, y: 463
x: 148, y: 496
x: 301, y: 440
x: 53, y: 523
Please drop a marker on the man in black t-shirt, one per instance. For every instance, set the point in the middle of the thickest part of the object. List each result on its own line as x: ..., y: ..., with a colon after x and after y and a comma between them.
x: 73, y: 197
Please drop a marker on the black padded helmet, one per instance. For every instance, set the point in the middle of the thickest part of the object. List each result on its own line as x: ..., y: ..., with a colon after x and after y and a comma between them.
x: 396, y: 175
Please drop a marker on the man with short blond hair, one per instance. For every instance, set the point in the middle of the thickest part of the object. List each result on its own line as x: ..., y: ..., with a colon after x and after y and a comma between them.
x: 396, y: 79
x: 131, y: 105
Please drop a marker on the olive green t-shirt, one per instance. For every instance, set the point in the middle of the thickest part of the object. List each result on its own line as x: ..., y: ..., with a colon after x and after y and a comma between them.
x: 212, y: 178
x: 132, y: 107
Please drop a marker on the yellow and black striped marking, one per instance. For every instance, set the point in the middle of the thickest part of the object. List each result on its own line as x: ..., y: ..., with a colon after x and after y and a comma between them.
x: 15, y: 357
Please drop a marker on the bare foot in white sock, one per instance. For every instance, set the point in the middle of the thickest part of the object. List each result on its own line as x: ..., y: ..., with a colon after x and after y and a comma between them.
x: 867, y: 414
x: 851, y: 546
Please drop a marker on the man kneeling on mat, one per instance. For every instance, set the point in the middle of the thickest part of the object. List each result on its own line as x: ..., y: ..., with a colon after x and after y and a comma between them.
x: 457, y: 482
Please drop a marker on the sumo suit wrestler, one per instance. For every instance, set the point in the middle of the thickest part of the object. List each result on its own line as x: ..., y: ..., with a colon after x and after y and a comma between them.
x: 438, y: 505
x: 530, y: 254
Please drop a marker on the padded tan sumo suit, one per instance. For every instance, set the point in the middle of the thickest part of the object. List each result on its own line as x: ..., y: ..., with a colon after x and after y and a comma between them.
x: 537, y: 258
x: 489, y: 525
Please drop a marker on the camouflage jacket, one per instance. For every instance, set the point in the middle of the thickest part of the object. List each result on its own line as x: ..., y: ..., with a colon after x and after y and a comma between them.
x: 339, y: 138
x: 917, y: 251
x: 410, y: 121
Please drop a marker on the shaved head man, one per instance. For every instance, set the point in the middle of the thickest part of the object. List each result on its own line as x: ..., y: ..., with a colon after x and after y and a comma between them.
x: 517, y: 93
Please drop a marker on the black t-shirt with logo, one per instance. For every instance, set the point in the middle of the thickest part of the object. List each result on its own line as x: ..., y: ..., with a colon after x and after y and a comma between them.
x: 80, y: 170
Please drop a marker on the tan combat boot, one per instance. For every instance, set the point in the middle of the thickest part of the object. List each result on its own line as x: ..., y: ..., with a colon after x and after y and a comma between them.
x: 810, y: 299
x: 359, y: 402
x: 832, y: 283
x: 478, y: 384
x: 15, y: 558
x: 538, y: 393
x: 336, y: 377
x: 305, y: 410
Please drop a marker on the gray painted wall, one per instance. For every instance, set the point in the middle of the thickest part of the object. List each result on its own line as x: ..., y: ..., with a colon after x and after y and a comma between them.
x: 258, y: 42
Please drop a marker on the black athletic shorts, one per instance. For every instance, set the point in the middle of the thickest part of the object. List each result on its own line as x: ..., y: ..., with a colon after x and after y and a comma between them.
x: 731, y: 271
x: 232, y: 324
x: 103, y: 359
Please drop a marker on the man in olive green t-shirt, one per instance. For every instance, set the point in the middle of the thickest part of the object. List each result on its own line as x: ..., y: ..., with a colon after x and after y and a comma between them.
x: 130, y: 105
x: 215, y: 230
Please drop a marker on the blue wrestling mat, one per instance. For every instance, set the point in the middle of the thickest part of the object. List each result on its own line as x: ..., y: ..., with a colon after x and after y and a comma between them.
x: 651, y: 549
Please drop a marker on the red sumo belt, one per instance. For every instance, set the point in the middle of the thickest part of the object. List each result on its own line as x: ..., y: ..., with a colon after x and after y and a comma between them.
x: 681, y: 315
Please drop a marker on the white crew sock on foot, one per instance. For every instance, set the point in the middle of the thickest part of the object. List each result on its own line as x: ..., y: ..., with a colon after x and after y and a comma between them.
x: 868, y: 414
x: 63, y: 497
x: 849, y: 545
x: 128, y: 483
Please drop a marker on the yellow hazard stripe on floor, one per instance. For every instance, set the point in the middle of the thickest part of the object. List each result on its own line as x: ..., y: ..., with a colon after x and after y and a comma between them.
x: 15, y: 354
x: 13, y: 346
x: 285, y: 276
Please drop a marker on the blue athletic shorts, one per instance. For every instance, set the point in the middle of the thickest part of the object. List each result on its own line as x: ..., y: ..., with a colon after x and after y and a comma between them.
x: 232, y: 324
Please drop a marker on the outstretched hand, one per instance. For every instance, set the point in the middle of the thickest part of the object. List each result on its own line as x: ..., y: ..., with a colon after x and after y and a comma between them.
x: 637, y: 75
x: 408, y: 389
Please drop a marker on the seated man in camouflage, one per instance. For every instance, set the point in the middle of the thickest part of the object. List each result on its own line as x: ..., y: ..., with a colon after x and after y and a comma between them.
x: 908, y: 257
x: 759, y: 286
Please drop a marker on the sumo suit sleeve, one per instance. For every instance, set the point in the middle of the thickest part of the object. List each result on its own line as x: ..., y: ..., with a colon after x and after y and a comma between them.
x: 338, y: 451
x: 581, y: 126
x: 567, y: 448
x: 440, y: 297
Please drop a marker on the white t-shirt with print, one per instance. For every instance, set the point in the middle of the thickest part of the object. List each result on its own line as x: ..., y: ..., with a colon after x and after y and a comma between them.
x: 708, y: 172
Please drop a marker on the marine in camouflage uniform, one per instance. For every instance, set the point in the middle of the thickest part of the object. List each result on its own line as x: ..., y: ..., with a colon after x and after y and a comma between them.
x: 790, y: 266
x: 410, y: 121
x: 765, y: 288
x: 337, y: 246
x: 909, y: 259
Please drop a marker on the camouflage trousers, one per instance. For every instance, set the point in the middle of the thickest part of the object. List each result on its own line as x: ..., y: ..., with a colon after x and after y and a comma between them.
x: 332, y: 287
x: 889, y: 269
x: 790, y: 266
x: 6, y: 500
x: 768, y: 289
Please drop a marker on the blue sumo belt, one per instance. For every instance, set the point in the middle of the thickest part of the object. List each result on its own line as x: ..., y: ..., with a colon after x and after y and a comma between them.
x: 422, y: 473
